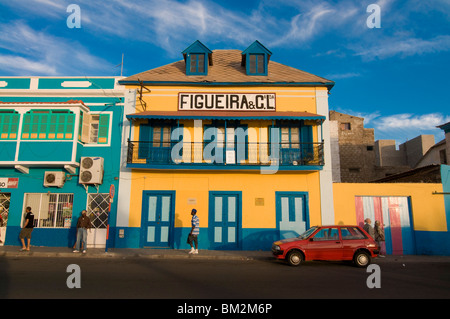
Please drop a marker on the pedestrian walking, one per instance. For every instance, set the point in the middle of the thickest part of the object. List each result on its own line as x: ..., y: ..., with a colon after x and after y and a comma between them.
x: 379, y: 236
x: 27, y: 229
x: 368, y: 228
x: 195, y: 231
x: 83, y: 224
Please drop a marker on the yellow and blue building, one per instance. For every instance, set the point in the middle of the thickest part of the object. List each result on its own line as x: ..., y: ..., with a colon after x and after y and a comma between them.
x: 242, y: 139
x: 239, y: 137
x: 60, y: 146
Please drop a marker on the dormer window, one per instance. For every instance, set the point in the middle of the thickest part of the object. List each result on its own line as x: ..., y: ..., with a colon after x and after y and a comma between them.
x: 257, y: 64
x: 197, y: 57
x: 255, y: 59
x: 197, y: 63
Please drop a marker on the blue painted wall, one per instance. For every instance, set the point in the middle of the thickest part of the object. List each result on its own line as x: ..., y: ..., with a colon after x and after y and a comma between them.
x: 50, y: 151
x: 252, y: 238
x: 437, y: 243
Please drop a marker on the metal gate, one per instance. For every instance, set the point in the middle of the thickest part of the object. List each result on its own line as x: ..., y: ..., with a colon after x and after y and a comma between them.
x: 97, y: 210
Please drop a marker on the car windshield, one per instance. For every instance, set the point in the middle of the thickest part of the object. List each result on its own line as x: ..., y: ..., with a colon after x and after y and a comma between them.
x: 308, y: 233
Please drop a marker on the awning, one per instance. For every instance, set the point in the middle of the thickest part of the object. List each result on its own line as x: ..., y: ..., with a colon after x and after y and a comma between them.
x: 226, y: 115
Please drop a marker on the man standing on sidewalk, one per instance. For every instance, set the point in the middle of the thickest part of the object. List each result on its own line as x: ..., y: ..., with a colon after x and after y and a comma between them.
x: 368, y: 228
x: 195, y: 230
x: 83, y: 224
x: 27, y: 229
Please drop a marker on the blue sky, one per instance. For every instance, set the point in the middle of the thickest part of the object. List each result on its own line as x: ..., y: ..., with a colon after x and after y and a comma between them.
x: 396, y: 76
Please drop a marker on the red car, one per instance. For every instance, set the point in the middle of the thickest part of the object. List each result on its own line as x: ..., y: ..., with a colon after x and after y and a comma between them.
x: 336, y: 242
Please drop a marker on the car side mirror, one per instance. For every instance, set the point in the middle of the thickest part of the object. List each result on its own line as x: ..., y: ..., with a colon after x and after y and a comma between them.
x: 311, y: 239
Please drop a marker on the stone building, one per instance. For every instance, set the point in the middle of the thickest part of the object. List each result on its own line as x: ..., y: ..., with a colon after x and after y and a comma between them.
x: 358, y: 158
x: 354, y: 158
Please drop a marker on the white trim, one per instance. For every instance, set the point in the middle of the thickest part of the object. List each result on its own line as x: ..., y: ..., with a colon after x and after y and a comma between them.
x: 111, y: 113
x: 325, y: 175
x: 221, y: 90
x: 75, y: 93
x: 124, y: 191
x: 28, y: 106
x: 34, y: 83
x: 79, y: 84
x: 75, y: 135
x: 38, y: 163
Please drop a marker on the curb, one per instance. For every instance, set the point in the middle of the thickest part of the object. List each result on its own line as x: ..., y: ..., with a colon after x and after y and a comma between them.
x: 113, y: 255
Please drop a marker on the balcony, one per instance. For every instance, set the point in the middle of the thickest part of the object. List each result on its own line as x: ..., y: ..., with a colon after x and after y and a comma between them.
x: 201, y: 155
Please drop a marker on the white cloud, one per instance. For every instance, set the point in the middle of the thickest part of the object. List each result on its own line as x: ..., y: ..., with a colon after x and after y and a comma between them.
x: 20, y: 65
x: 403, y: 127
x: 368, y: 117
x: 340, y: 76
x: 412, y: 122
x: 405, y: 47
x: 171, y: 24
x: 33, y: 52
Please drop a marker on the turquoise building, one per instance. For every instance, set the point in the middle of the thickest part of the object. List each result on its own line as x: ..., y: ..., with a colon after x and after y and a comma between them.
x: 60, y: 151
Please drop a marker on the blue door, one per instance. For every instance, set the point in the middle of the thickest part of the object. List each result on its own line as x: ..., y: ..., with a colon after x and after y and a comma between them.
x: 224, y: 220
x: 292, y: 213
x: 157, y: 218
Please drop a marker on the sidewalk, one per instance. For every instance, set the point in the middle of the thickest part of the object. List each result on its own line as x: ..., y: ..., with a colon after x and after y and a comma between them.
x: 14, y: 252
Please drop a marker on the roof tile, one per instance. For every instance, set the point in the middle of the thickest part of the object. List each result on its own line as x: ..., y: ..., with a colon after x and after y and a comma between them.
x: 227, y: 68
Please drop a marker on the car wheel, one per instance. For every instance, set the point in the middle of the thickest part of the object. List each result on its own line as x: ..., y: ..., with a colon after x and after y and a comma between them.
x: 294, y: 258
x: 361, y: 259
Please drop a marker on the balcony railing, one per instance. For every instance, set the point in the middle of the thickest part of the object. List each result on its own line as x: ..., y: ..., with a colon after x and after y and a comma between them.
x: 202, y: 153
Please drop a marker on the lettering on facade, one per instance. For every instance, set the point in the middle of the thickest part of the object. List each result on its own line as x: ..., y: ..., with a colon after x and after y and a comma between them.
x: 9, y: 182
x: 226, y: 102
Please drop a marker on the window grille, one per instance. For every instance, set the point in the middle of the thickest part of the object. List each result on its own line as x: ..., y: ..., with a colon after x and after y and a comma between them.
x: 257, y: 63
x: 98, y: 206
x: 5, y: 200
x: 50, y: 210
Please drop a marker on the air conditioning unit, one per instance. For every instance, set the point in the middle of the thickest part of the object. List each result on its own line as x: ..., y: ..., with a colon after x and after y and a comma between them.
x: 91, y: 170
x: 55, y: 179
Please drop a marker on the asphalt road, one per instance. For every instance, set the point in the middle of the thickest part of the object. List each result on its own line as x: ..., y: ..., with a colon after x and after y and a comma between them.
x: 46, y: 278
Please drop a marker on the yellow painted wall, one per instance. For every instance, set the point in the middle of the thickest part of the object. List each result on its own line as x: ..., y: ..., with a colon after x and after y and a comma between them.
x: 428, y: 210
x: 190, y: 185
x: 287, y: 98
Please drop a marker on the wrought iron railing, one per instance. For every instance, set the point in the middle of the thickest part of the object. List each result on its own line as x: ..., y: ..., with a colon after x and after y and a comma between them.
x: 260, y: 154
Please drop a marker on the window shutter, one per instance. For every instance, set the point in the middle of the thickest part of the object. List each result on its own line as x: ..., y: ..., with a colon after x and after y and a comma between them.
x: 85, y: 128
x: 103, y: 129
x: 144, y: 140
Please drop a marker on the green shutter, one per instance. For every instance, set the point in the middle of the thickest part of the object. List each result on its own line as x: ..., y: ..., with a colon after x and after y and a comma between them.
x: 47, y: 125
x: 103, y: 129
x: 8, y: 124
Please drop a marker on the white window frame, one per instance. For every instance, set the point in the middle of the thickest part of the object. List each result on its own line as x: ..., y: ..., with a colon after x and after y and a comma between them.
x: 42, y: 210
x: 87, y: 124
